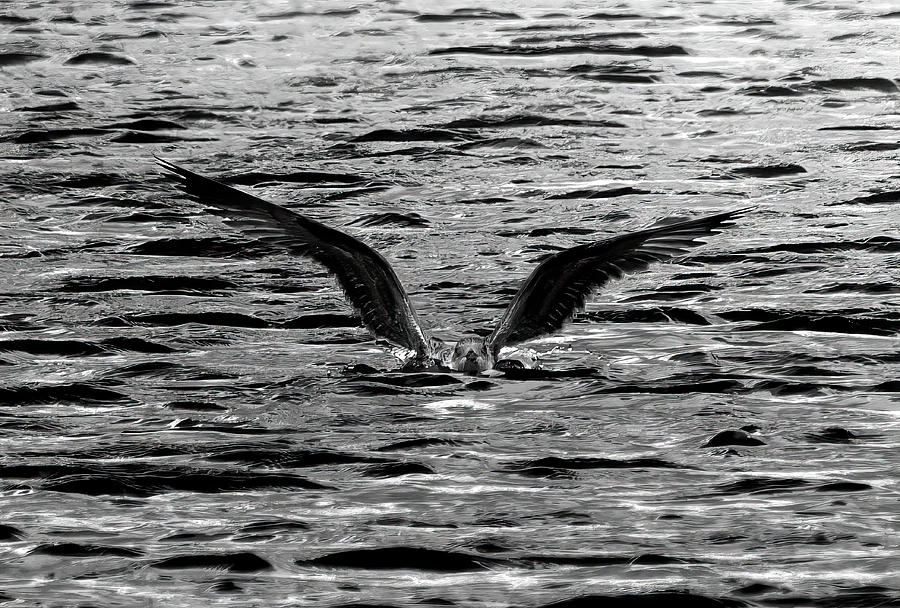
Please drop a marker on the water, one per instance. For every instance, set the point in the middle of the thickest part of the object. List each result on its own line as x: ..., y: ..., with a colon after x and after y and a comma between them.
x: 178, y: 422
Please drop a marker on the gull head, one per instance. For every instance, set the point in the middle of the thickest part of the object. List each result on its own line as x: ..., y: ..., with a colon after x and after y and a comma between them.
x: 471, y: 356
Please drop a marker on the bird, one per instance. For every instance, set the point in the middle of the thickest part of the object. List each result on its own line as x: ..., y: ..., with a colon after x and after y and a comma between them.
x: 556, y: 288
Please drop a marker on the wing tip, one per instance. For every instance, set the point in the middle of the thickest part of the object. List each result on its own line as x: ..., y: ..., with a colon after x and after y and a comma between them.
x: 742, y: 211
x: 171, y: 167
x: 726, y: 218
x: 716, y: 220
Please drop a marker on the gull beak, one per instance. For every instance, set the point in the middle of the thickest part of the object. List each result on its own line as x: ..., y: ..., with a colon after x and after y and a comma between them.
x: 470, y: 365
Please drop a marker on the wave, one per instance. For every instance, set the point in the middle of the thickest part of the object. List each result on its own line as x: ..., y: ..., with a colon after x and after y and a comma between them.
x: 80, y: 550
x: 573, y: 49
x: 243, y: 561
x: 405, y: 558
x: 80, y: 392
x: 140, y: 480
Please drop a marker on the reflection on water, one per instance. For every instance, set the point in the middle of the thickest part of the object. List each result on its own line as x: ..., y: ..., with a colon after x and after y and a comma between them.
x: 177, y: 414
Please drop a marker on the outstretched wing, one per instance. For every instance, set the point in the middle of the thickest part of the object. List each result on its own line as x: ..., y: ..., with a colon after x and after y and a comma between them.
x: 366, y: 278
x: 562, y: 282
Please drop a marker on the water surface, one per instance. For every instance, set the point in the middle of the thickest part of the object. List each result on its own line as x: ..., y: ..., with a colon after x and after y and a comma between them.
x: 178, y: 422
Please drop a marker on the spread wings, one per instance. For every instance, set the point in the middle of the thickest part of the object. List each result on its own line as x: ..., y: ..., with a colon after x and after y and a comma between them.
x: 366, y: 278
x: 562, y: 282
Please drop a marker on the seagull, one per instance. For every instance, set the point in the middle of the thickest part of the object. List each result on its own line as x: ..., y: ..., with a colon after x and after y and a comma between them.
x: 546, y: 300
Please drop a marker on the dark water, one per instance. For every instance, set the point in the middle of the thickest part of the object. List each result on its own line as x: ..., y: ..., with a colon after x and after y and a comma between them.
x: 177, y: 424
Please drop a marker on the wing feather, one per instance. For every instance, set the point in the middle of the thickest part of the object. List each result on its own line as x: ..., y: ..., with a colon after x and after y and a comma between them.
x: 562, y: 282
x: 365, y: 277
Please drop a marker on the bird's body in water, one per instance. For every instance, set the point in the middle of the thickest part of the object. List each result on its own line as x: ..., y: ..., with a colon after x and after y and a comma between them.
x: 548, y: 297
x: 469, y: 355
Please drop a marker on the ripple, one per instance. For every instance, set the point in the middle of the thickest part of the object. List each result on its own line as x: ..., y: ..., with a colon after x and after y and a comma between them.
x: 162, y: 284
x: 403, y: 220
x: 518, y: 121
x: 401, y: 558
x: 10, y: 534
x: 575, y: 49
x: 210, y: 247
x: 8, y: 59
x: 80, y: 550
x: 397, y: 469
x: 80, y: 392
x: 174, y: 319
x: 732, y: 437
x: 117, y: 482
x: 466, y: 14
x: 418, y: 134
x: 100, y: 58
x: 231, y: 562
x: 887, y: 196
x: 648, y: 600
